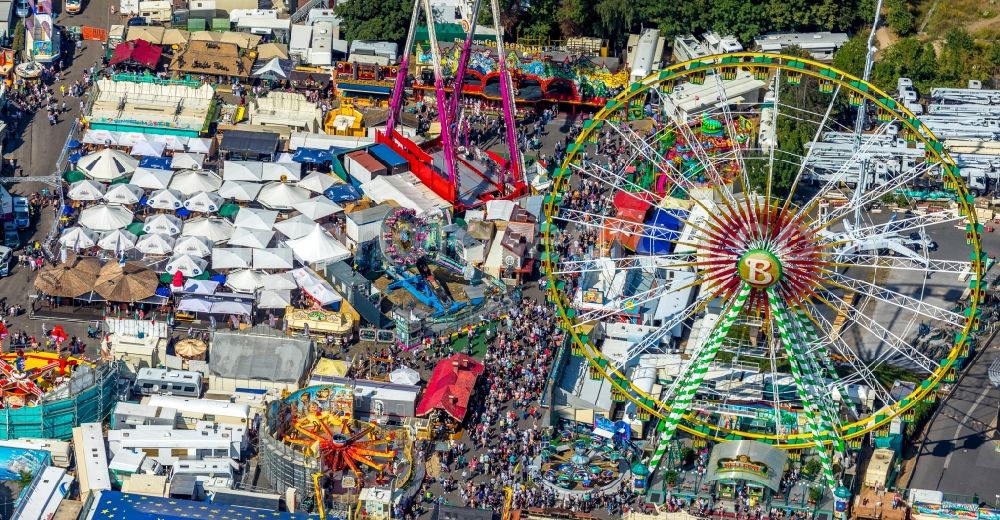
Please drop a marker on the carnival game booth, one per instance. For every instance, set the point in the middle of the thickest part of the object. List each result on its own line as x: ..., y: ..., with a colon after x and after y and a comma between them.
x: 321, y: 323
x: 752, y: 465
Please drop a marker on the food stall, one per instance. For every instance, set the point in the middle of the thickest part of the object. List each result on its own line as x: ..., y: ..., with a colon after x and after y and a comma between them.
x: 319, y: 322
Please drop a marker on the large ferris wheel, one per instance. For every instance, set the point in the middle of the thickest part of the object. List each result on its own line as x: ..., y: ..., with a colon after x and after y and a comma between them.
x: 781, y: 284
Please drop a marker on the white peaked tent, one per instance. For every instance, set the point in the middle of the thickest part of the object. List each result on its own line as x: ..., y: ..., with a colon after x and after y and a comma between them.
x: 151, y: 178
x: 240, y: 190
x: 232, y: 258
x: 274, y: 299
x: 295, y: 227
x: 190, y: 182
x: 204, y: 202
x: 165, y: 224
x: 117, y: 241
x: 253, y: 218
x: 166, y: 199
x: 124, y: 194
x: 404, y: 375
x: 107, y: 165
x: 275, y: 171
x: 78, y: 238
x: 272, y: 258
x: 187, y: 264
x: 318, y: 247
x: 215, y: 229
x: 104, y: 217
x: 245, y: 280
x: 200, y: 145
x: 248, y: 171
x: 318, y: 207
x: 253, y: 238
x: 86, y: 190
x: 187, y: 161
x: 193, y: 245
x: 279, y: 281
x: 155, y: 244
x: 318, y: 182
x: 280, y: 195
x: 148, y: 148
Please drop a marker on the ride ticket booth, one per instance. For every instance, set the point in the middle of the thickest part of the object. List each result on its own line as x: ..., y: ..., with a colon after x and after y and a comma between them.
x: 746, y: 467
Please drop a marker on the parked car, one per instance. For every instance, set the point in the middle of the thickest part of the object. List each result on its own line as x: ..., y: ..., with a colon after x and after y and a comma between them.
x: 10, y: 235
x: 6, y: 255
x: 22, y: 213
x: 23, y: 9
x: 74, y: 6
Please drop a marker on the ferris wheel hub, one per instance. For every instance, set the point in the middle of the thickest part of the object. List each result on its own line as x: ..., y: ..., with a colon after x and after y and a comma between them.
x: 760, y: 268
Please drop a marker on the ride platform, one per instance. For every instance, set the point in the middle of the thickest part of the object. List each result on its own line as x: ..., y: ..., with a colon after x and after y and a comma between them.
x: 472, y: 175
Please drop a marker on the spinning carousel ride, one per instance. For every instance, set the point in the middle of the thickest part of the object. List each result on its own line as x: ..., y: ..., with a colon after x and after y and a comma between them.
x: 577, y: 458
x: 27, y: 377
x: 404, y: 239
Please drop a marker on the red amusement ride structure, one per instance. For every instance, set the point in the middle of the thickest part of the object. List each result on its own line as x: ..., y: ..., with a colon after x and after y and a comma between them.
x: 450, y: 171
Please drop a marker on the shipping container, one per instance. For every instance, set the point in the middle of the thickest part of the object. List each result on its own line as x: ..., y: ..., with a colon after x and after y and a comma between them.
x: 389, y: 158
x: 363, y: 167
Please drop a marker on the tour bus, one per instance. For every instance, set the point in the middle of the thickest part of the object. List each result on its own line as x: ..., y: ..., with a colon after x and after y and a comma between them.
x: 154, y: 381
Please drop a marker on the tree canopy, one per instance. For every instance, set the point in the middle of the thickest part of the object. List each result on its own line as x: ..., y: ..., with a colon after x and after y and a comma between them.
x: 375, y: 19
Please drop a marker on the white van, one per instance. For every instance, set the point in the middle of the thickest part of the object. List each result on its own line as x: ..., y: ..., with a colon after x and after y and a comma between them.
x: 155, y: 10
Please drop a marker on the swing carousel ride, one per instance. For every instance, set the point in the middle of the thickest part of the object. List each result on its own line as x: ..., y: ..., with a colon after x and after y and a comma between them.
x: 754, y: 277
x: 575, y: 457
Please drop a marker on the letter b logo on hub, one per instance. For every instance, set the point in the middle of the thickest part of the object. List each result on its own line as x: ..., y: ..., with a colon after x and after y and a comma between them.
x: 759, y: 268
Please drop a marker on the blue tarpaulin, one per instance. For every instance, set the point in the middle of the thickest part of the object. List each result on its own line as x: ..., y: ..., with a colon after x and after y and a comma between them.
x: 342, y: 193
x: 312, y: 156
x: 160, y: 163
x: 661, y: 227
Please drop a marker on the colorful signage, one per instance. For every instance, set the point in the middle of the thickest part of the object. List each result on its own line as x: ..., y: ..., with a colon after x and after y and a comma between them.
x: 743, y: 464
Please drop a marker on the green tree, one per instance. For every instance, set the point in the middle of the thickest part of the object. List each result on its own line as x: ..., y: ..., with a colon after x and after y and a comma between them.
x: 900, y: 19
x: 539, y: 21
x: 851, y: 57
x: 375, y: 19
x: 18, y: 44
x: 572, y: 17
x: 616, y: 19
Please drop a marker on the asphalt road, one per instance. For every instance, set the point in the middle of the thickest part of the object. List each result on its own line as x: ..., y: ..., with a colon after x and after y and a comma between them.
x: 960, y: 454
x: 37, y: 146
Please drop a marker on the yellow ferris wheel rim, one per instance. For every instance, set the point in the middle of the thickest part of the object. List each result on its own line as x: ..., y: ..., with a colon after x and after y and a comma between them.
x: 806, y: 67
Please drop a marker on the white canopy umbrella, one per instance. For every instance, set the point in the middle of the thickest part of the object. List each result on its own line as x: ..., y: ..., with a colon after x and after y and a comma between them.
x: 194, y: 304
x: 318, y: 246
x: 193, y: 245
x: 187, y: 161
x: 280, y: 195
x: 200, y: 145
x: 252, y: 171
x: 254, y: 238
x: 404, y: 375
x: 231, y: 307
x: 78, y: 238
x: 118, y: 240
x: 273, y: 258
x: 151, y: 178
x: 318, y: 182
x: 101, y: 137
x: 105, y: 217
x: 295, y: 227
x: 278, y: 281
x: 277, y: 171
x: 131, y: 138
x: 166, y: 199
x: 245, y: 280
x: 190, y: 182
x: 155, y: 244
x: 200, y: 286
x: 187, y: 264
x: 146, y: 148
x: 107, y: 165
x: 240, y: 190
x: 254, y: 218
x: 165, y: 224
x: 215, y: 229
x: 124, y: 194
x: 86, y: 190
x: 204, y: 202
x: 274, y: 299
x: 318, y: 207
x: 232, y: 258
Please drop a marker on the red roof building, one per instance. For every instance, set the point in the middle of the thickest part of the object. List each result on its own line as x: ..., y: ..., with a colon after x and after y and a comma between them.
x: 451, y: 386
x: 137, y: 52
